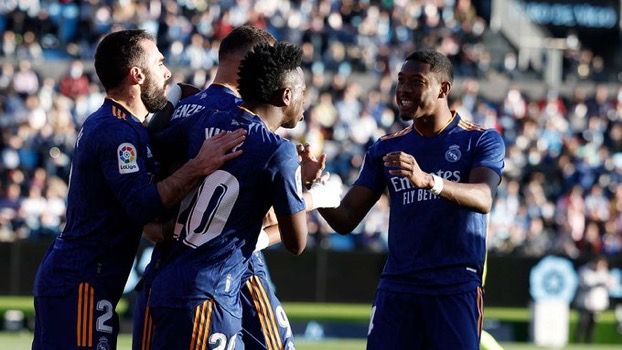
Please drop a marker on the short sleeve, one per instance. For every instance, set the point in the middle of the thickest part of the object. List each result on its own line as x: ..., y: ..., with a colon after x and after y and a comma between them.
x: 124, y: 167
x: 287, y: 185
x: 490, y: 152
x: 372, y: 171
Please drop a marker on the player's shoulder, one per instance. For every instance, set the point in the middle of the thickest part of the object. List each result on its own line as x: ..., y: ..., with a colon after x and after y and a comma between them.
x: 396, y: 135
x: 109, y: 123
x: 482, y: 132
x: 188, y: 107
x: 106, y: 117
x: 486, y: 137
x: 467, y: 125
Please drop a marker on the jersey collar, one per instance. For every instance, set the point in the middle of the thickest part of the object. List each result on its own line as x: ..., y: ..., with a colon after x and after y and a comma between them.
x: 118, y: 111
x: 453, y: 121
x: 232, y: 90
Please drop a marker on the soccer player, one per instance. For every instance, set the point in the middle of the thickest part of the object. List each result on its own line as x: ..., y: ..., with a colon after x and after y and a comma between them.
x: 195, y: 296
x: 442, y: 174
x: 258, y: 299
x: 111, y: 197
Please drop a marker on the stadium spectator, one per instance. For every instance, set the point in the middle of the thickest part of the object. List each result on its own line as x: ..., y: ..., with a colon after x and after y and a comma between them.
x: 75, y: 84
x: 592, y: 297
x: 385, y: 32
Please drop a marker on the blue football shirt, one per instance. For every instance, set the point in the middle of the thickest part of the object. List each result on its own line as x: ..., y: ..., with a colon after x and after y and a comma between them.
x: 169, y: 142
x: 219, y: 222
x: 435, y: 246
x: 111, y: 196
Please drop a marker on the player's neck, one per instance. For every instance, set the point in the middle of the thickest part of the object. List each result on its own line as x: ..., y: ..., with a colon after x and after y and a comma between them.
x: 271, y: 116
x: 435, y: 123
x: 227, y: 76
x: 130, y: 100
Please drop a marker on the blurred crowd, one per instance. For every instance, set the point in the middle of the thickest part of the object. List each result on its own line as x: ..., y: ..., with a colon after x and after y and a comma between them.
x: 562, y: 189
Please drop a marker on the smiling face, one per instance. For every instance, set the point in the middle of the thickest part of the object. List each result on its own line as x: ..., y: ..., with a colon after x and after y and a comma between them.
x: 418, y: 90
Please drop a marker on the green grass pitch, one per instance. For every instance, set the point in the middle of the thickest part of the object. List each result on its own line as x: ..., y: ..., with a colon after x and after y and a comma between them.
x: 17, y: 341
x: 301, y: 312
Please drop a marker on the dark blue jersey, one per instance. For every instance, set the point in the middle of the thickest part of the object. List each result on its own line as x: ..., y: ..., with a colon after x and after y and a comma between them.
x: 435, y: 245
x: 111, y: 196
x: 219, y: 222
x: 216, y: 96
x: 174, y: 138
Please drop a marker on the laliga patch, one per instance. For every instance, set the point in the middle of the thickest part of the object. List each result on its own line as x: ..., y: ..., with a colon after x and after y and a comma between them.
x: 127, y: 158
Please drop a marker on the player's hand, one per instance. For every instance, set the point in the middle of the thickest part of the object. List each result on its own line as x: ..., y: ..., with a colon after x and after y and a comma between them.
x: 216, y: 150
x: 403, y: 164
x: 154, y: 232
x: 158, y: 231
x: 311, y: 167
x: 326, y: 192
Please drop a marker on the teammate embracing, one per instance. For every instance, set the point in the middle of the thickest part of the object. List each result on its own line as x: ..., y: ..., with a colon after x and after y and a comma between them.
x: 111, y: 196
x: 195, y: 295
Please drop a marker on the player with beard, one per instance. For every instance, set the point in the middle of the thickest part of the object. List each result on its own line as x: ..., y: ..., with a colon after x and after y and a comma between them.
x: 442, y: 174
x: 111, y: 196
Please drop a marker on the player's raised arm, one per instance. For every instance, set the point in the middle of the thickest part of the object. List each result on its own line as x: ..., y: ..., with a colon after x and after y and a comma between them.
x: 293, y: 229
x: 352, y: 209
x: 476, y: 194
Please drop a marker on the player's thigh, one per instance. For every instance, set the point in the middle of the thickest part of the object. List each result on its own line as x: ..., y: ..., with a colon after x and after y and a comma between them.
x: 84, y: 318
x: 265, y: 324
x: 454, y: 321
x: 393, y: 323
x: 204, y: 327
x: 142, y: 322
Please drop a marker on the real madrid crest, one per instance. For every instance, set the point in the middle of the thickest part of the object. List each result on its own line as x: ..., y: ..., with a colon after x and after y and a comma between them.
x: 453, y: 154
x: 102, y: 344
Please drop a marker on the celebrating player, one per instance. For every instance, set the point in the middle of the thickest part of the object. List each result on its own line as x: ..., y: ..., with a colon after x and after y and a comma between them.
x: 111, y: 197
x: 195, y: 296
x: 442, y: 174
x: 258, y: 299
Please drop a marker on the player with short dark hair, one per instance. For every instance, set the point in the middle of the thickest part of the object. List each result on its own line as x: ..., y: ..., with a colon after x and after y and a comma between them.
x: 195, y: 296
x: 111, y: 196
x: 259, y: 301
x: 441, y: 174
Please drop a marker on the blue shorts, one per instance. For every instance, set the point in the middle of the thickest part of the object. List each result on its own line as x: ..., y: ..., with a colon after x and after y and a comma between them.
x: 265, y: 324
x: 430, y: 322
x: 85, y: 318
x: 206, y: 326
x: 142, y: 323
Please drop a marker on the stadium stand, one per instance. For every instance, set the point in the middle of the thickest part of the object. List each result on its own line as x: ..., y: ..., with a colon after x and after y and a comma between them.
x: 562, y: 190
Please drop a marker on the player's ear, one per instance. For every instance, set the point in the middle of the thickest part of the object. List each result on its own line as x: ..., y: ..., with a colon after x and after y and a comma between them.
x: 445, y: 88
x: 136, y: 75
x: 286, y: 96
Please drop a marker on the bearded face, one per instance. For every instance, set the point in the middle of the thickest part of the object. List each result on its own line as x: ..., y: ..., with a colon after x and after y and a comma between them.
x: 153, y: 93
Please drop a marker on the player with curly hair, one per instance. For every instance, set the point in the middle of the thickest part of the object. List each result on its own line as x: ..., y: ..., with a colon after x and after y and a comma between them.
x: 195, y: 296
